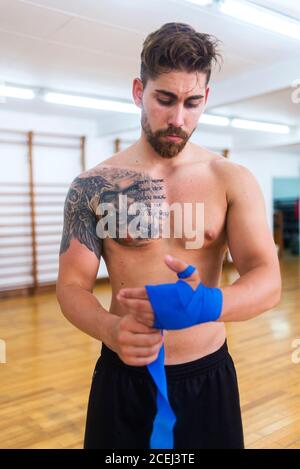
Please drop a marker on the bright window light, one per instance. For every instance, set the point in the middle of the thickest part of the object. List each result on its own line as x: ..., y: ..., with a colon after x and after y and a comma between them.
x: 214, y: 120
x: 261, y: 126
x: 262, y: 17
x: 15, y: 92
x: 91, y: 103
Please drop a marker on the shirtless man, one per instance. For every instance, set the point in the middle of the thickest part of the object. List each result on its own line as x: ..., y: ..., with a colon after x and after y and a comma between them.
x: 163, y: 165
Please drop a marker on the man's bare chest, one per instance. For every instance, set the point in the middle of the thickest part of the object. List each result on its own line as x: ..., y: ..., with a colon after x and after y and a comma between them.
x: 136, y: 208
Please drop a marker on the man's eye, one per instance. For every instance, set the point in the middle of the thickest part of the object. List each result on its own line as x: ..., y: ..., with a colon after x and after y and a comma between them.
x: 192, y: 105
x: 165, y: 103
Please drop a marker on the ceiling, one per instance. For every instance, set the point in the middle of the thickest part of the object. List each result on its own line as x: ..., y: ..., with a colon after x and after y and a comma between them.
x: 93, y: 47
x: 276, y: 106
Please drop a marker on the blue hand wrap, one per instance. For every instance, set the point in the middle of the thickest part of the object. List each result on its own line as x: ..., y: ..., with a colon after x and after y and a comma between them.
x: 186, y: 272
x: 176, y: 306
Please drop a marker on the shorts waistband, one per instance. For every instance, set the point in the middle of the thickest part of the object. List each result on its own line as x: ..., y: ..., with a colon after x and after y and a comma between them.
x: 199, y: 366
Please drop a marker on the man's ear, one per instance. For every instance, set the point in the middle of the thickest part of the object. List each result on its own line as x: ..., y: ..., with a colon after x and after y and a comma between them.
x: 137, y: 91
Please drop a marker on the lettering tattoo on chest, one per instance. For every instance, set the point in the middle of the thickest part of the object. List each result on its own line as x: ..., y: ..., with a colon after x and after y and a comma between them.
x: 116, y: 193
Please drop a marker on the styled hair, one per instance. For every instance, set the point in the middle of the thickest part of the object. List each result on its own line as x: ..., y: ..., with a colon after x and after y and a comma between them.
x: 178, y: 46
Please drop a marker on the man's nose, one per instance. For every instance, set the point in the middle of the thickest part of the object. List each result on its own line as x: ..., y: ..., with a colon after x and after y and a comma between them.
x: 176, y: 117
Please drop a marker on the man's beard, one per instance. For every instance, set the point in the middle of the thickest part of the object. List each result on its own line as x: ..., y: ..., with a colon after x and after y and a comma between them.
x: 164, y: 148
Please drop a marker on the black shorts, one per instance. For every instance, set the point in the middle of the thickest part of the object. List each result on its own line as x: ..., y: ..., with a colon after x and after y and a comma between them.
x: 203, y: 394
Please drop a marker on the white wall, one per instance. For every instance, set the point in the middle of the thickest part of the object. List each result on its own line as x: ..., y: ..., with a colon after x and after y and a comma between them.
x: 51, y: 165
x: 46, y: 123
x: 265, y: 165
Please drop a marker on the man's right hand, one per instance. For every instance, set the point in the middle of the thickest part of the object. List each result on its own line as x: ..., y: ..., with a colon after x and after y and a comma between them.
x: 135, y: 343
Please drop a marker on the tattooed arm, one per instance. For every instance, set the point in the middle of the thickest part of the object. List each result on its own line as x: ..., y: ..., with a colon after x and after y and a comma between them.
x: 79, y: 216
x: 79, y: 260
x: 135, y: 343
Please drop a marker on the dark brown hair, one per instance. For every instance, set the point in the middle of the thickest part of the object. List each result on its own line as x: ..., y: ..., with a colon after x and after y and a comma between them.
x: 178, y: 46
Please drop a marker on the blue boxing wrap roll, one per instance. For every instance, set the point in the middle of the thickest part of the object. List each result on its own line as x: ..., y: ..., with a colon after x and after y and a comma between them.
x: 164, y: 421
x: 176, y: 306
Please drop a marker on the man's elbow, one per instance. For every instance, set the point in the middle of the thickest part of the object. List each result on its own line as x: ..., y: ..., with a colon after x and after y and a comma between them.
x: 58, y: 290
x: 63, y: 295
x: 59, y: 295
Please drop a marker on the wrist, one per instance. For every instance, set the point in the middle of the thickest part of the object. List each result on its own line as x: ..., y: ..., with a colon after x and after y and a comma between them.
x: 109, y: 328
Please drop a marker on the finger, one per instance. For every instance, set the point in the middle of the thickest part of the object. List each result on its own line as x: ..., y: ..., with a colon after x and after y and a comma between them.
x: 140, y: 293
x: 145, y: 318
x: 139, y: 311
x: 178, y: 266
x: 151, y: 359
x: 130, y: 325
x: 145, y: 340
x: 144, y: 352
x: 140, y: 361
x: 143, y: 306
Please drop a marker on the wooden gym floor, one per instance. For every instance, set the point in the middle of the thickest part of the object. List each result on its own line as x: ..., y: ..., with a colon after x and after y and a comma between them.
x: 46, y: 380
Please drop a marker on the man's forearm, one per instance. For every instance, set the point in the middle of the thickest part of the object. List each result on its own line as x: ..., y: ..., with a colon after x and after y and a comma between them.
x: 85, y: 312
x: 253, y: 293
